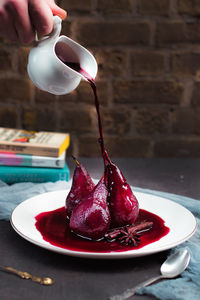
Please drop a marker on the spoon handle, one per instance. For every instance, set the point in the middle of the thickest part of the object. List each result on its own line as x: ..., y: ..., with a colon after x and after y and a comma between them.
x: 130, y: 292
x: 25, y: 275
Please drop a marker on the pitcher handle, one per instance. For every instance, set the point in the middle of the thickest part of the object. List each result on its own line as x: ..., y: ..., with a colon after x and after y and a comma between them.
x: 55, y: 32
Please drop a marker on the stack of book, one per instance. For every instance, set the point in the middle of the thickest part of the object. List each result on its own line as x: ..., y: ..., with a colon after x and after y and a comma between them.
x: 33, y: 156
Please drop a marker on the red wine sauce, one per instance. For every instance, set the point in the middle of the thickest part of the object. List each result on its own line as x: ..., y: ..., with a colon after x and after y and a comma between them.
x: 54, y: 229
x: 77, y: 68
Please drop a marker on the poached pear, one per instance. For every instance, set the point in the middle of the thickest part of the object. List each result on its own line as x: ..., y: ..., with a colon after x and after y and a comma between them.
x: 82, y: 185
x: 91, y: 217
x: 123, y: 205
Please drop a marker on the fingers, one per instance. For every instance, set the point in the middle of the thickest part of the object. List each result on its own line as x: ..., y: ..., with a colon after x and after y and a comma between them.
x: 41, y: 13
x: 56, y: 10
x: 7, y: 28
x: 21, y: 20
x: 41, y: 16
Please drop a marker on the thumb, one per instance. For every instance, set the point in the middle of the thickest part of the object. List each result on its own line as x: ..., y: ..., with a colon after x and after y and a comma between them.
x: 56, y: 10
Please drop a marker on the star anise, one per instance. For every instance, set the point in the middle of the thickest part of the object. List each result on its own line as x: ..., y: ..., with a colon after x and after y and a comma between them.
x: 129, y: 234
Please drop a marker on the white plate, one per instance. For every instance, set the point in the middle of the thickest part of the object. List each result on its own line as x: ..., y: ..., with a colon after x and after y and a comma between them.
x: 181, y: 222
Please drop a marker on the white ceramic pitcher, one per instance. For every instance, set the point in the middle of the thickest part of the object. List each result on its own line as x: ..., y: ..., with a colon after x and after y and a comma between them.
x: 46, y: 67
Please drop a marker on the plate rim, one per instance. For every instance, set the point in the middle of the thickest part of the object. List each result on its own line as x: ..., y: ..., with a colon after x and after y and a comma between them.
x: 101, y: 255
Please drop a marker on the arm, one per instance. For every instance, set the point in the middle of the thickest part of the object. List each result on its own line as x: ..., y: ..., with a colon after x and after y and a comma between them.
x: 20, y: 19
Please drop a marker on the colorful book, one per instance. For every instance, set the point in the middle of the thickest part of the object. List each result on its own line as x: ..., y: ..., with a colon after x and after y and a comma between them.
x: 12, y: 175
x: 41, y: 143
x: 26, y: 160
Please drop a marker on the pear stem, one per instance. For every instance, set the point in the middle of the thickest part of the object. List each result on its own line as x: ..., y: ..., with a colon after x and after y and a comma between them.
x: 106, y: 157
x: 76, y: 161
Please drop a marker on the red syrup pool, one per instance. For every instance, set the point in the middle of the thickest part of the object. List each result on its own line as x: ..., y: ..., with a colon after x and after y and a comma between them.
x: 53, y: 225
x: 54, y: 229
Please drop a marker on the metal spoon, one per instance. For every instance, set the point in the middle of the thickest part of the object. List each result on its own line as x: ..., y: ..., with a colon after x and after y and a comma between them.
x: 172, y: 267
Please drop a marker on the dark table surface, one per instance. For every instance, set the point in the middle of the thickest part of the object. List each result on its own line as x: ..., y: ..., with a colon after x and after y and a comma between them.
x: 79, y: 278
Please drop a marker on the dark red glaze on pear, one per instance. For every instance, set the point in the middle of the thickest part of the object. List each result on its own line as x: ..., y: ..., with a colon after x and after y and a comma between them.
x: 82, y: 185
x: 123, y: 205
x: 91, y: 217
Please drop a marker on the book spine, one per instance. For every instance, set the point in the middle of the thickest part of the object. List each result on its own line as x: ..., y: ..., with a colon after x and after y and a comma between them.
x: 12, y: 175
x: 35, y: 143
x: 12, y: 159
x: 29, y: 149
x: 48, y: 163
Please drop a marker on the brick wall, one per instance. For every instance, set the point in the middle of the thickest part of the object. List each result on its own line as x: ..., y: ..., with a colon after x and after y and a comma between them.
x: 148, y: 54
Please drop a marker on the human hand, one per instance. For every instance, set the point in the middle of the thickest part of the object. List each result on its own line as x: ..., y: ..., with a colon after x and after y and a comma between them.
x: 21, y: 19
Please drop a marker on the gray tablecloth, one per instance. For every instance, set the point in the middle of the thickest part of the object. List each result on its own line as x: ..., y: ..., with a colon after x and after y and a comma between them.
x: 187, y: 286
